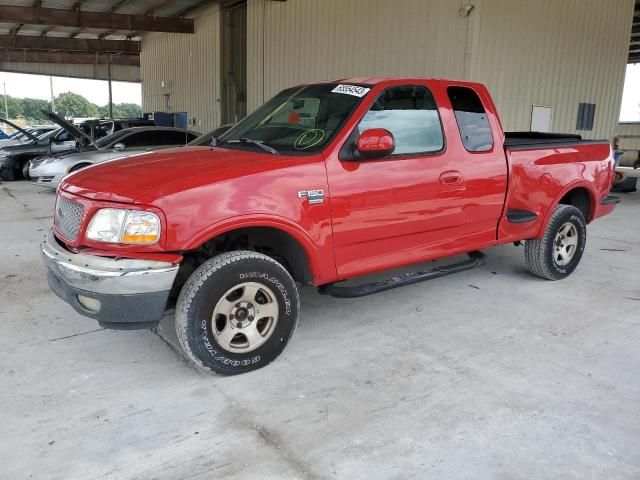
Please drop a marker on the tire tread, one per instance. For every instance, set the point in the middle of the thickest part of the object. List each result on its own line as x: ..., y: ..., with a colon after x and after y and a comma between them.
x: 195, y: 282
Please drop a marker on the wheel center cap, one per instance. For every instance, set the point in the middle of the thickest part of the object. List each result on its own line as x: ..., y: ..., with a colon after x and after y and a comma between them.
x: 242, y: 314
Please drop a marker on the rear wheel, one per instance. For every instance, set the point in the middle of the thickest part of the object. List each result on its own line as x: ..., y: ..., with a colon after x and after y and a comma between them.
x: 557, y: 254
x: 236, y: 312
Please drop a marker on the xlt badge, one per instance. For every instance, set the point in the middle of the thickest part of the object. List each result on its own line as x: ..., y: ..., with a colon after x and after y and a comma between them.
x: 314, y: 196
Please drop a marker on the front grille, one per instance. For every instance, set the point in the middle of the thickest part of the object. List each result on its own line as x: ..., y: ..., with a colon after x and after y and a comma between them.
x: 68, y: 217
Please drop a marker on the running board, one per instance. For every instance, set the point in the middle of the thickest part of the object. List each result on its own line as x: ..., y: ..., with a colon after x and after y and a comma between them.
x: 476, y: 259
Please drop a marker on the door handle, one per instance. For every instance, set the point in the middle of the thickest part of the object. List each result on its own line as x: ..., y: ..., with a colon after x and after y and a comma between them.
x: 451, y: 178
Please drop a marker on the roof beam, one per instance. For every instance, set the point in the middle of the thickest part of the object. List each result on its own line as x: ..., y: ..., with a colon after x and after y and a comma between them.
x: 112, y: 21
x: 192, y: 8
x: 86, y: 45
x: 33, y: 56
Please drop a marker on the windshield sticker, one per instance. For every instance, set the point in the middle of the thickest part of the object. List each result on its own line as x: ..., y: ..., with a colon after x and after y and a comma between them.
x: 354, y: 90
x: 309, y: 138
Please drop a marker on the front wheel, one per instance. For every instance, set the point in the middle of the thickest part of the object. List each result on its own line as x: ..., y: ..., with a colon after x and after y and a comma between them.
x: 557, y: 254
x: 236, y: 312
x: 25, y: 170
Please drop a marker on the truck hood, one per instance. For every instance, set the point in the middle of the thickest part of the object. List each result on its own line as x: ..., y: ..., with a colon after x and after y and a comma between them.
x: 125, y: 180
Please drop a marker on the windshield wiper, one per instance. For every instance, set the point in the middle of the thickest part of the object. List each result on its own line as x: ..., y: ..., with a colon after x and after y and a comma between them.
x: 258, y: 143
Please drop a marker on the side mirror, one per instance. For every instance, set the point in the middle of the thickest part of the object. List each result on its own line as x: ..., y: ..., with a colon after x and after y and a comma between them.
x: 119, y: 146
x: 375, y: 143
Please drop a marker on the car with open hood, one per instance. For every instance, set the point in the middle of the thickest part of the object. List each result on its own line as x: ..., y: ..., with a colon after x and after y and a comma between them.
x: 14, y: 158
x: 49, y: 171
x: 18, y: 137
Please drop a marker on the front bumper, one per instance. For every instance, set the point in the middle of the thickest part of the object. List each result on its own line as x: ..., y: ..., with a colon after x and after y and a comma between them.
x: 119, y: 293
x: 48, y: 181
x: 47, y: 175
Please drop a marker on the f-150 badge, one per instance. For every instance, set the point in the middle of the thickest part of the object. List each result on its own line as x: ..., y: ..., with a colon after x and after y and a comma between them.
x: 314, y: 196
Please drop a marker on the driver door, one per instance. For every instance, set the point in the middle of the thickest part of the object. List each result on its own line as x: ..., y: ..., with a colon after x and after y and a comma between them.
x: 403, y: 208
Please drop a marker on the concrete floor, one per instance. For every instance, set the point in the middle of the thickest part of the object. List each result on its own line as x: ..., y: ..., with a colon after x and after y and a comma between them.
x: 490, y: 374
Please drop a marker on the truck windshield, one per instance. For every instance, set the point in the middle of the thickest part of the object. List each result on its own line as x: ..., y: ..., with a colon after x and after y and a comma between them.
x: 297, y: 120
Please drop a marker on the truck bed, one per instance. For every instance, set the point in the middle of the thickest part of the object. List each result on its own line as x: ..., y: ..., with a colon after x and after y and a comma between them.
x: 524, y: 140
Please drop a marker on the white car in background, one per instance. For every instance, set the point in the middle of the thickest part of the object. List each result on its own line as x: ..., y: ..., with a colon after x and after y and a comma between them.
x: 49, y: 171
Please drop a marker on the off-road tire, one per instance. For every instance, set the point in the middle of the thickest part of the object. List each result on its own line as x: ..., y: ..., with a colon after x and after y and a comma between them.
x: 540, y: 253
x: 207, y: 285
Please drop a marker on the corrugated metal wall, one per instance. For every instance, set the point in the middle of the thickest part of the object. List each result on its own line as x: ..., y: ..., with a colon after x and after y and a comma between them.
x: 547, y: 52
x: 556, y: 53
x: 189, y: 65
x: 122, y: 73
x: 304, y: 40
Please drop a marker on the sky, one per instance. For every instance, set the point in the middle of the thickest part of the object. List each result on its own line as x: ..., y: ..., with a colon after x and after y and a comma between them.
x: 22, y: 85
x: 631, y: 97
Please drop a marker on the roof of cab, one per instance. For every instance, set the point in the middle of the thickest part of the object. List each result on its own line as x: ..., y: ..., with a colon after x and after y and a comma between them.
x: 377, y: 80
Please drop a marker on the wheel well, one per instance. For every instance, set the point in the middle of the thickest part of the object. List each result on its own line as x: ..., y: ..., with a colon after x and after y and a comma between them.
x: 272, y: 242
x: 579, y: 198
x: 78, y: 166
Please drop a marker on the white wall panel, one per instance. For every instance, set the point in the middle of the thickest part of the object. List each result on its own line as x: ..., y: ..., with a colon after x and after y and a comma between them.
x: 305, y: 40
x: 189, y: 66
x: 556, y: 53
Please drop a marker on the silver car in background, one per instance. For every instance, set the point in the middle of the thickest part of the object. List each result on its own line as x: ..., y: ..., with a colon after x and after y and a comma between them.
x: 49, y: 171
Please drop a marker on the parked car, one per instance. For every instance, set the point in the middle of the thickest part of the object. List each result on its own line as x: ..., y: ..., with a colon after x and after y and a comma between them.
x: 19, y: 137
x: 49, y: 171
x: 14, y: 158
x: 324, y: 183
x: 96, y: 129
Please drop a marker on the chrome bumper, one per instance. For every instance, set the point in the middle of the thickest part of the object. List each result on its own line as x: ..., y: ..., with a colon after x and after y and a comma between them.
x: 107, y: 275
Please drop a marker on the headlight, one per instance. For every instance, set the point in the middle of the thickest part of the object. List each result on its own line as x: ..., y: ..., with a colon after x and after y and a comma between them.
x: 4, y: 153
x: 115, y: 225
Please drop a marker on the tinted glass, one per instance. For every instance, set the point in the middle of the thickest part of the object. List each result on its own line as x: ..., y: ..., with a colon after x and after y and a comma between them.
x: 410, y: 114
x: 172, y: 137
x: 298, y: 120
x: 472, y: 119
x: 139, y: 139
x: 111, y: 139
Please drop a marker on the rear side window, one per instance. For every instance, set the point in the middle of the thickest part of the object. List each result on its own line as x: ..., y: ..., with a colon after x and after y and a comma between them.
x: 139, y: 139
x: 410, y: 114
x: 472, y: 119
x: 172, y: 137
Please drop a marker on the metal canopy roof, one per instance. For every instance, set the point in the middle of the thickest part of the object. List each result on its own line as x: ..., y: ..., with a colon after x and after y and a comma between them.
x: 634, y: 46
x: 85, y: 31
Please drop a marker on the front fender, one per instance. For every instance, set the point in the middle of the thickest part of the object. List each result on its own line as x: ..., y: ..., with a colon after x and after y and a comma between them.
x: 319, y: 254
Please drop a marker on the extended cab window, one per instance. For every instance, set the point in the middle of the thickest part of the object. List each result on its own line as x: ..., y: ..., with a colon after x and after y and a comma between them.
x: 472, y: 119
x: 411, y: 115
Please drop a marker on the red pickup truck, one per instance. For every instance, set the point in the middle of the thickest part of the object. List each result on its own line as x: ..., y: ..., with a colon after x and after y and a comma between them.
x: 325, y: 182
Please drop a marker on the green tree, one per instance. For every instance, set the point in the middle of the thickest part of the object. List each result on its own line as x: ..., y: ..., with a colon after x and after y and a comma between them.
x: 71, y: 105
x: 14, y: 107
x: 127, y: 110
x: 121, y: 110
x: 32, y: 110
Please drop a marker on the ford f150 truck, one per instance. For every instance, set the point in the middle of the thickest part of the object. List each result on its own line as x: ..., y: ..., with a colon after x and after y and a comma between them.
x: 325, y: 182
